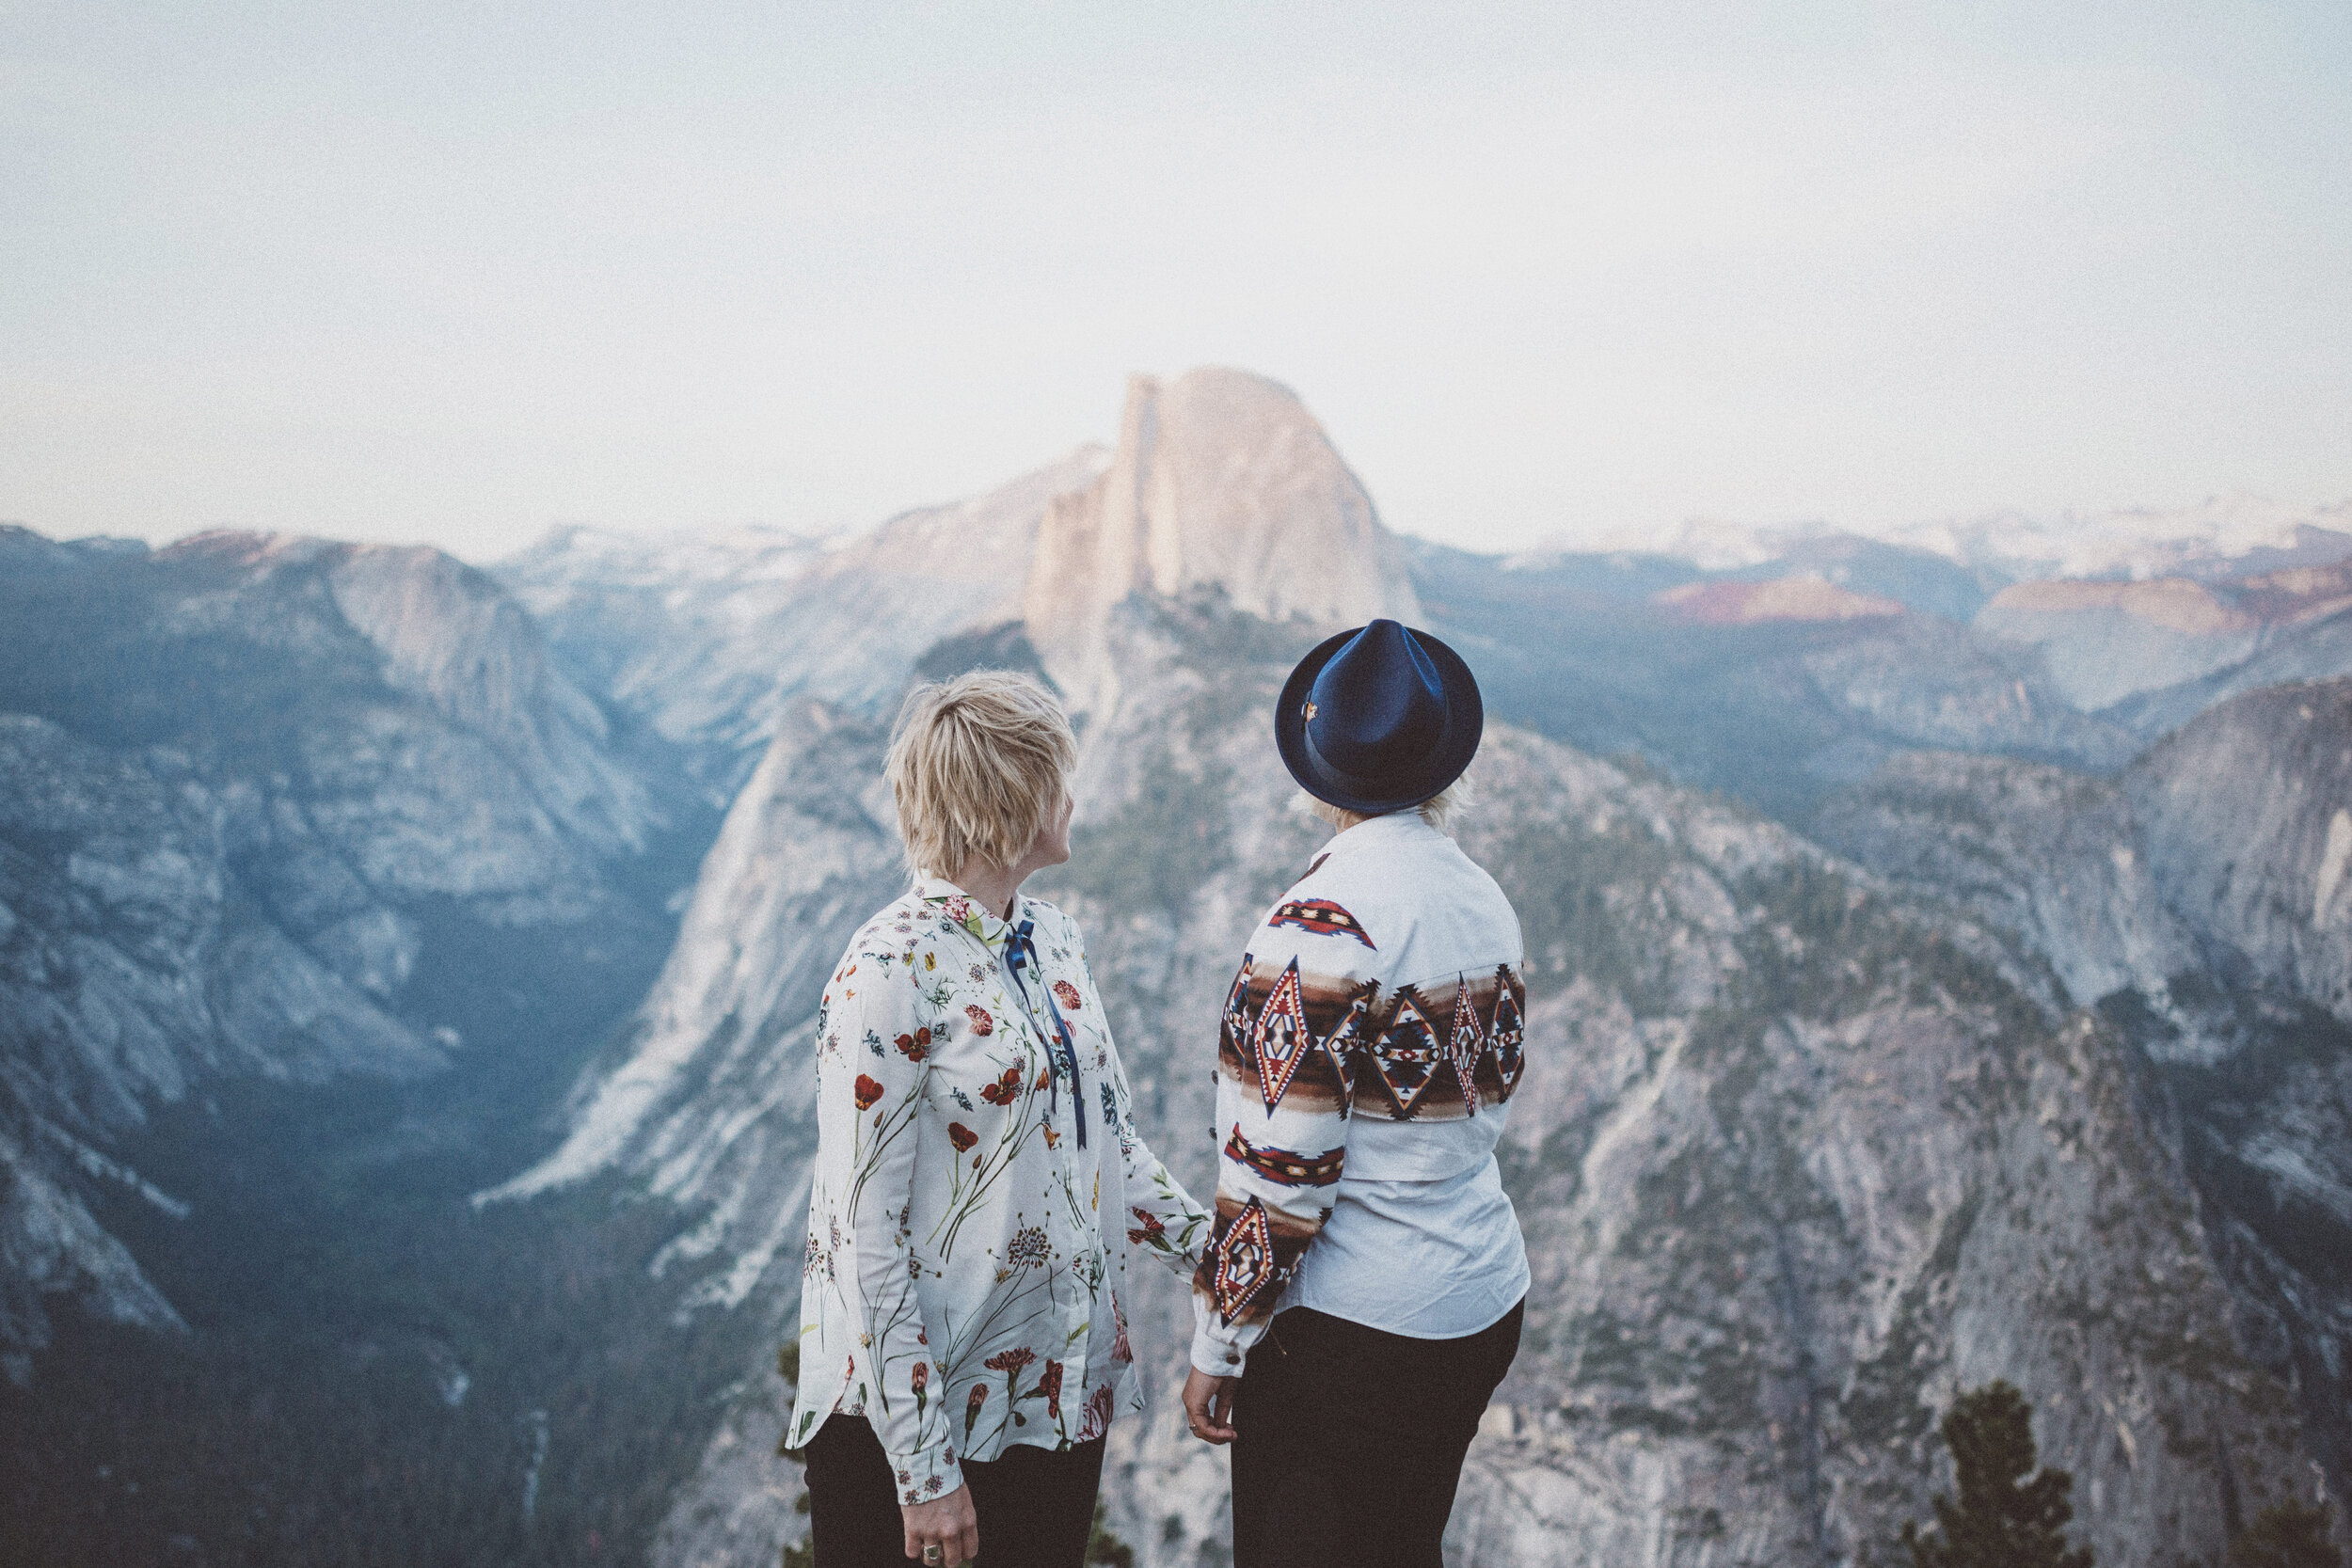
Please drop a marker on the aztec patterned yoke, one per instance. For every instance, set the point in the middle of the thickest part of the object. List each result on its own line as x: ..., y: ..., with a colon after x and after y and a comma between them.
x: 1374, y: 1036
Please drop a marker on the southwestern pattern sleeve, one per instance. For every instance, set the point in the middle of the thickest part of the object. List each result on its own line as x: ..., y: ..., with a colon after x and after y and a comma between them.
x: 870, y: 1088
x: 1286, y: 1064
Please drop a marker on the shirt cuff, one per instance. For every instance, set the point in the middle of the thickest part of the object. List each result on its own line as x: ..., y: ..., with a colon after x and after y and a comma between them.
x: 1215, y: 1358
x: 927, y: 1475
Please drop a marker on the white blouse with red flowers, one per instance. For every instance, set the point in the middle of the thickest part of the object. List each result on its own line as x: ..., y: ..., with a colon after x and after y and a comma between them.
x: 978, y: 1185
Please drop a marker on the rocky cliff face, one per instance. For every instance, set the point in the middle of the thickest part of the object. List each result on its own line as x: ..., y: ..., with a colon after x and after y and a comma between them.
x: 805, y: 854
x: 2222, y: 851
x: 2197, y: 902
x: 2247, y: 823
x: 2045, y: 852
x: 243, y: 784
x: 453, y: 638
x: 128, y: 973
x: 2315, y: 649
x: 1221, y: 479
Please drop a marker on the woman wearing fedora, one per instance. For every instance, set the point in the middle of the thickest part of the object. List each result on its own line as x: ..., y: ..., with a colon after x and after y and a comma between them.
x: 1362, y: 1295
x: 979, y: 1184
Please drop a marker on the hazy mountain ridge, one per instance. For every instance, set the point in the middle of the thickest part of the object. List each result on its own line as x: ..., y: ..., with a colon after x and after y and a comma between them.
x: 2156, y: 651
x: 1773, y: 663
x: 2222, y: 537
x: 1184, y: 833
x: 707, y: 641
x: 1778, y: 711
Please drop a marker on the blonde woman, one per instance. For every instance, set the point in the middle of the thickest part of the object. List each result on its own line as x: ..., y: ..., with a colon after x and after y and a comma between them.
x: 979, y: 1183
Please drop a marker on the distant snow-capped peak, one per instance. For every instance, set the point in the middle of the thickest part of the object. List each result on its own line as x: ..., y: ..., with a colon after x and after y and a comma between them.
x: 2222, y: 537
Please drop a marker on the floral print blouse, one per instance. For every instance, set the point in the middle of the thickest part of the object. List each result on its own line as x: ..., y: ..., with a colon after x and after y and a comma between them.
x: 978, y: 1186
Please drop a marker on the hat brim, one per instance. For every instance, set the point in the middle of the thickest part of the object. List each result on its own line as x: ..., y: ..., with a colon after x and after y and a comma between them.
x: 1465, y: 722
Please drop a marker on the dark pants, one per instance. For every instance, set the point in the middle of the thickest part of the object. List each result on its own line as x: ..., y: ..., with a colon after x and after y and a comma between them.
x: 1036, y: 1505
x: 1350, y: 1440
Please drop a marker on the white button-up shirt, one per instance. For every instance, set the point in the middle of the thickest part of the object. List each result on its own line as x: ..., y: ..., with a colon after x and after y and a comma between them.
x: 978, y: 1185
x: 1369, y: 1051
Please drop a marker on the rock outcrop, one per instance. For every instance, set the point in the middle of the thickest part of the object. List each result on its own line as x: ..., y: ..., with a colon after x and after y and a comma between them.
x: 130, y: 973
x: 2106, y: 641
x: 2225, y: 849
x: 2247, y: 823
x: 1222, y: 481
x: 2158, y: 653
x: 2198, y: 902
x: 453, y: 637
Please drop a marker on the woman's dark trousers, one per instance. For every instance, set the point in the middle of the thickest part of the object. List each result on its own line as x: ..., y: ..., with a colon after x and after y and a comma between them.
x: 1351, y: 1440
x: 1036, y: 1505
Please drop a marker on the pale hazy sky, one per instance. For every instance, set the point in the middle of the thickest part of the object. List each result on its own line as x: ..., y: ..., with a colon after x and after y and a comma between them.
x: 456, y: 273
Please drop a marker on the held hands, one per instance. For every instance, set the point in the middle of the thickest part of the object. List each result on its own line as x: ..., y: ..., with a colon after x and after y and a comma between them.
x: 944, y: 1533
x: 1209, y: 1405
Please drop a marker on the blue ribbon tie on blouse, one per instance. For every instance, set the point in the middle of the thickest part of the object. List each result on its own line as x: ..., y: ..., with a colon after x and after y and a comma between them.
x: 1021, y: 954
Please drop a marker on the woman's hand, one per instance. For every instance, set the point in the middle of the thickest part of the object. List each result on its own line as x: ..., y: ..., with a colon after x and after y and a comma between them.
x: 948, y: 1525
x: 1209, y: 1405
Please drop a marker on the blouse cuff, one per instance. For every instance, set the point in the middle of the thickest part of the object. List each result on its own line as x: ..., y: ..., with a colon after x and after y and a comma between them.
x: 927, y: 1475
x: 1215, y: 1358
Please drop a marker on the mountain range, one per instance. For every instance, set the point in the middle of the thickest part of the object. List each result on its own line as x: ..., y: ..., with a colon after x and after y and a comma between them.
x: 1936, y: 961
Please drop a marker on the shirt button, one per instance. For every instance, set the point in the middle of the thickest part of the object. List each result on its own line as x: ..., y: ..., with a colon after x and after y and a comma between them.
x: 1230, y: 1358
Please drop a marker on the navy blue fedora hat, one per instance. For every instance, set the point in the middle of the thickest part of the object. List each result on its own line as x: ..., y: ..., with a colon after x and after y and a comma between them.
x: 1378, y: 719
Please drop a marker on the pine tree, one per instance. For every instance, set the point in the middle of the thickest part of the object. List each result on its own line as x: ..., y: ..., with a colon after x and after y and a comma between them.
x: 1103, y: 1547
x: 2286, y: 1535
x: 2002, y: 1520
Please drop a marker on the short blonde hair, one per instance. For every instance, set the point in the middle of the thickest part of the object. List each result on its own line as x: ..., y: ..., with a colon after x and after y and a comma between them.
x: 1436, y: 811
x: 1440, y: 808
x: 978, y: 766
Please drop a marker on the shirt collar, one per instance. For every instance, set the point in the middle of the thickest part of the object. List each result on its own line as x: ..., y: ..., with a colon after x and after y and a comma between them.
x: 1379, y: 834
x: 960, y: 908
